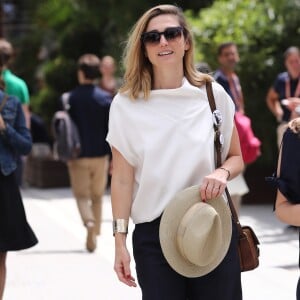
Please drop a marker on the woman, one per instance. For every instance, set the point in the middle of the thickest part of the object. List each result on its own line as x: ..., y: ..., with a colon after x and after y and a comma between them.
x: 108, y: 81
x: 287, y: 206
x: 15, y: 139
x: 283, y: 98
x: 161, y: 133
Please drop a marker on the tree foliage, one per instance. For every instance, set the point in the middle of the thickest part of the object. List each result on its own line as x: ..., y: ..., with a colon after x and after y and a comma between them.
x: 262, y: 30
x: 62, y: 30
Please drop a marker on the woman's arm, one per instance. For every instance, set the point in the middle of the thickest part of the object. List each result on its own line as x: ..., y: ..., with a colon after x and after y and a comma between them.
x: 121, y: 198
x: 286, y: 211
x: 214, y: 184
x: 274, y: 104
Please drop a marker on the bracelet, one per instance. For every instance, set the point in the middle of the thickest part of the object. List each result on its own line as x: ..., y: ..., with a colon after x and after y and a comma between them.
x: 120, y: 226
x: 229, y: 174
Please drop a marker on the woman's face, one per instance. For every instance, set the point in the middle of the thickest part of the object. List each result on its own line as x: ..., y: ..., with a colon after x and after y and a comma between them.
x: 164, y: 42
x: 292, y: 64
x: 107, y: 66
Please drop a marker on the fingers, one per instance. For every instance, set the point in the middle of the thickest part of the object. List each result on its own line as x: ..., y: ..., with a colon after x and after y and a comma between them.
x: 1, y: 122
x: 211, y: 189
x: 211, y: 192
x: 122, y: 269
x: 125, y: 276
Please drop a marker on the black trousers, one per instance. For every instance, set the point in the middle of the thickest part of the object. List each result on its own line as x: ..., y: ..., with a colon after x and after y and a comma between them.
x: 159, y: 281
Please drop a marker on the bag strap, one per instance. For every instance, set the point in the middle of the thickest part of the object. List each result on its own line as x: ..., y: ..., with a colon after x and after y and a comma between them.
x: 4, y: 100
x: 218, y: 135
x: 218, y: 146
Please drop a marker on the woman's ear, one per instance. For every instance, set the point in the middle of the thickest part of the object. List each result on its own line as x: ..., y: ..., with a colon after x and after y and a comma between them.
x: 187, y: 45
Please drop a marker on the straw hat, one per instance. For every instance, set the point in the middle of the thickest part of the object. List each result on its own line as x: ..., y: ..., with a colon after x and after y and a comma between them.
x: 194, y: 235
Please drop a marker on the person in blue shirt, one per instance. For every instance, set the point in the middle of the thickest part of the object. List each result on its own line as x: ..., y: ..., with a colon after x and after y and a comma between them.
x: 16, y: 86
x: 15, y: 139
x: 228, y: 58
x: 89, y: 109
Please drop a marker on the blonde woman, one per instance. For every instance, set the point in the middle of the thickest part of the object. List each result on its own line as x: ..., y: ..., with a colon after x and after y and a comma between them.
x: 162, y: 139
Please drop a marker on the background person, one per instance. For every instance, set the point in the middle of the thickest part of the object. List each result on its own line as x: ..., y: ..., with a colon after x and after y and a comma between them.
x: 228, y: 58
x: 15, y: 138
x: 161, y: 111
x: 203, y: 67
x: 108, y: 81
x: 287, y: 206
x: 15, y: 86
x: 284, y: 96
x: 89, y: 109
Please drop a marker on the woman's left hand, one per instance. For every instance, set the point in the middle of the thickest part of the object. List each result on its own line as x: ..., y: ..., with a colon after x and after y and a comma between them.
x: 213, y: 185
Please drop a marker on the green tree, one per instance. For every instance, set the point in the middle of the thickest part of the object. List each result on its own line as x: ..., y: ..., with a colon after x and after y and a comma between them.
x: 62, y: 30
x: 262, y: 30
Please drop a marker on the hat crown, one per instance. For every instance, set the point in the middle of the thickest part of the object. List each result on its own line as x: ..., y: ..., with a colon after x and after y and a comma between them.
x: 190, y: 232
x: 199, y: 241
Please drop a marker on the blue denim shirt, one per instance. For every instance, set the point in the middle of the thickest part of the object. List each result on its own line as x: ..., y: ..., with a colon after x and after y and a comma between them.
x: 16, y: 138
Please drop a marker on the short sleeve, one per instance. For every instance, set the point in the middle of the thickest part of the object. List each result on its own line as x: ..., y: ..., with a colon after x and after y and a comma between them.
x: 121, y: 128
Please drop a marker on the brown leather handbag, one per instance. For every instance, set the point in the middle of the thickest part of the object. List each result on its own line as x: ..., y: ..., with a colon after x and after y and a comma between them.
x: 248, y: 242
x: 248, y: 249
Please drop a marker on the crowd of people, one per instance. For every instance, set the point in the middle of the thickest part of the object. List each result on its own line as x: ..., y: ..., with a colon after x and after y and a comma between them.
x: 123, y: 124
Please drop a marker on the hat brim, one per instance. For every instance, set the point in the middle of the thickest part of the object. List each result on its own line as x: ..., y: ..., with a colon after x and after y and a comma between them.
x: 169, y: 224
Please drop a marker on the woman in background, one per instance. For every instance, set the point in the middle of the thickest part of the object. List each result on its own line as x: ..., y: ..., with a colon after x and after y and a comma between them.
x: 15, y: 139
x: 287, y: 206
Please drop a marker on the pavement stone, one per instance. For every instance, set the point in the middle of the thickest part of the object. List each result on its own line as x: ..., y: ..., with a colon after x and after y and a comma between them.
x: 59, y: 267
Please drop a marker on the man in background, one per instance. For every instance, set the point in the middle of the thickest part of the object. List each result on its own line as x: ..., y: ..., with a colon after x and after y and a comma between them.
x: 228, y: 57
x: 89, y: 109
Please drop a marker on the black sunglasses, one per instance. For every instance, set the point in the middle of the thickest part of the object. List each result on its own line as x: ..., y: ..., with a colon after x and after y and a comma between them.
x: 153, y: 37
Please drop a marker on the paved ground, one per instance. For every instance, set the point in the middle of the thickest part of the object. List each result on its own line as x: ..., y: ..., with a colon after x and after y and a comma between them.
x: 59, y: 268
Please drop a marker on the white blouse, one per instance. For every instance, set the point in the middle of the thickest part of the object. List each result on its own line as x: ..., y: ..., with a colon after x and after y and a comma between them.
x: 169, y: 140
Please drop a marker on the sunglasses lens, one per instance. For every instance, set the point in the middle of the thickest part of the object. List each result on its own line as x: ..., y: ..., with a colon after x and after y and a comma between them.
x: 172, y: 33
x: 151, y: 37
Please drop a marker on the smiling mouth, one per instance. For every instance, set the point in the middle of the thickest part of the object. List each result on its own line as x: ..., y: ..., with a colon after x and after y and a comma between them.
x: 164, y: 53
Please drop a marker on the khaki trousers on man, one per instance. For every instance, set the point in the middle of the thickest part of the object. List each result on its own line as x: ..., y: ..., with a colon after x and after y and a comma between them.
x: 88, y: 181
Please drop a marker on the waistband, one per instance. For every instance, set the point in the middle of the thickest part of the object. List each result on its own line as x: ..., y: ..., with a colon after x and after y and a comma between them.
x: 150, y: 224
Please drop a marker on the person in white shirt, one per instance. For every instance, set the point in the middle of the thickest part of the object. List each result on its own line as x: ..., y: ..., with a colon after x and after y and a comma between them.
x: 162, y: 139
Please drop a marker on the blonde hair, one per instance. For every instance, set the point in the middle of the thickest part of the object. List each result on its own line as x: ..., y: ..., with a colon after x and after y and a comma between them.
x: 138, y: 75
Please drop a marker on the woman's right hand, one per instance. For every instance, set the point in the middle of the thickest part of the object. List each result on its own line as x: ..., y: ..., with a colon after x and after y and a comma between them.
x: 122, y: 265
x: 2, y: 123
